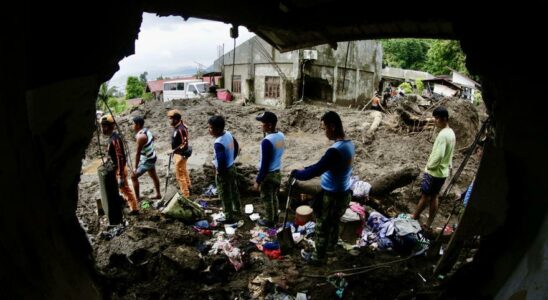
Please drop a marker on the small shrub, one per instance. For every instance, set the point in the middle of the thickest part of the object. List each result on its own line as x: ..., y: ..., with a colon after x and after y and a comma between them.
x: 406, y: 87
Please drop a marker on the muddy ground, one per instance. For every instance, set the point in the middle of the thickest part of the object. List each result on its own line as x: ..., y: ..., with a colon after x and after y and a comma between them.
x: 161, y: 258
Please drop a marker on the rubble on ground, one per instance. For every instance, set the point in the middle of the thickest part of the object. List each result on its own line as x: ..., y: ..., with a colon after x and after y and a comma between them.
x: 156, y: 256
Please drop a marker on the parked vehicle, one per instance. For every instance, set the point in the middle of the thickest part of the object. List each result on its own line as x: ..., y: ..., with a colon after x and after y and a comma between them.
x: 185, y: 89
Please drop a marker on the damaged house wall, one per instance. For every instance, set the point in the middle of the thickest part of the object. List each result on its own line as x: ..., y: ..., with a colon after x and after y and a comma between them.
x: 253, y: 64
x: 354, y: 84
x: 326, y: 78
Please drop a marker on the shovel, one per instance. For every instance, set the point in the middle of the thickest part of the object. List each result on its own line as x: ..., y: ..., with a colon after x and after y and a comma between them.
x: 162, y: 202
x: 285, y: 237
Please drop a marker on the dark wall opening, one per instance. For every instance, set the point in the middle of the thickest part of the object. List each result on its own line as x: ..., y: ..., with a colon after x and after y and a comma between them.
x: 57, y: 60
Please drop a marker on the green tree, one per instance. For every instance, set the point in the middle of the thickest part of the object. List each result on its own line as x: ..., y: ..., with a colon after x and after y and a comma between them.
x: 143, y: 78
x: 405, y: 53
x: 134, y: 87
x: 117, y: 105
x: 160, y: 77
x: 105, y: 92
x: 444, y: 54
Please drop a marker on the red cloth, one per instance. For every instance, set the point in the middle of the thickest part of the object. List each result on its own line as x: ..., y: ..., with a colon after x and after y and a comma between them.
x: 273, y: 254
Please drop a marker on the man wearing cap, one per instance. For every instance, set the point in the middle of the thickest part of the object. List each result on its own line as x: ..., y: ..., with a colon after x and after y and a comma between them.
x: 225, y: 150
x: 179, y: 145
x: 118, y: 156
x: 145, y: 157
x: 270, y: 161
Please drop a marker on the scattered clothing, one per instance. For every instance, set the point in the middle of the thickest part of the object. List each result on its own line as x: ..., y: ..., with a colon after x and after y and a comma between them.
x: 210, y: 191
x: 406, y: 226
x: 272, y: 254
x: 401, y: 234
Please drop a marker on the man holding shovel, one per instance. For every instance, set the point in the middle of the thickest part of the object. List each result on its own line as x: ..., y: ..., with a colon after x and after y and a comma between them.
x: 181, y: 150
x: 335, y: 168
x: 269, y: 178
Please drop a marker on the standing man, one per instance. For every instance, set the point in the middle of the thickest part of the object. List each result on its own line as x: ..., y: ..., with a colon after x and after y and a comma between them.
x: 335, y: 168
x: 225, y: 150
x: 270, y: 162
x: 179, y: 145
x: 145, y: 157
x: 118, y: 156
x: 437, y: 168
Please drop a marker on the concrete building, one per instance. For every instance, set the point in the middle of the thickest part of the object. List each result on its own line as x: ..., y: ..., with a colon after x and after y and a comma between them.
x: 347, y: 75
x: 396, y: 76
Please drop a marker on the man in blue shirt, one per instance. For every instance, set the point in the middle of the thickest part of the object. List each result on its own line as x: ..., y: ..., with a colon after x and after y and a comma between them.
x: 225, y: 150
x: 269, y: 177
x: 335, y: 168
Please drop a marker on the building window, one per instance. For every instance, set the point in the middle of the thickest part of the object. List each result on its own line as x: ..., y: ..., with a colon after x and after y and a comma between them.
x: 271, y: 87
x: 237, y: 84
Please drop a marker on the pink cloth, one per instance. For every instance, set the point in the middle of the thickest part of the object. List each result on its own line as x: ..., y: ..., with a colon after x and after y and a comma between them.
x: 357, y: 208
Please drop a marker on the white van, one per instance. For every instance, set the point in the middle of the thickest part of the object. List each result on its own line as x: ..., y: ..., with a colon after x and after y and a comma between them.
x: 185, y: 89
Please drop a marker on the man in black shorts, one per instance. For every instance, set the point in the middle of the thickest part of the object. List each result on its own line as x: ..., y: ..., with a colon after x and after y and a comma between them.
x: 438, y: 166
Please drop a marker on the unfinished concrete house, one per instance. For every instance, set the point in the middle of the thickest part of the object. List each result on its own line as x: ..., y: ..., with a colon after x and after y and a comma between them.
x: 346, y: 75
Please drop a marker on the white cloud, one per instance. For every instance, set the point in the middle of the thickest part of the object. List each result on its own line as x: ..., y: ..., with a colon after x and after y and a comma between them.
x: 171, y: 46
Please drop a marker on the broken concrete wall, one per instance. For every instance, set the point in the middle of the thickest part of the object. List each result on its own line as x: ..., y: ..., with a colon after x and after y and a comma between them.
x: 354, y: 84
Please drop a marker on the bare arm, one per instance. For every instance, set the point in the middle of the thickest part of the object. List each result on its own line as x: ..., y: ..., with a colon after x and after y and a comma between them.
x: 141, y: 141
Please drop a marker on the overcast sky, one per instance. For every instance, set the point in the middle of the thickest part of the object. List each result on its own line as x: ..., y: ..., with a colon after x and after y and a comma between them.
x: 170, y: 46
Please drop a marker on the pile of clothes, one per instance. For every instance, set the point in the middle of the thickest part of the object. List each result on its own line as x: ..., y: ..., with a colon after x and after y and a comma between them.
x: 360, y: 189
x: 401, y: 234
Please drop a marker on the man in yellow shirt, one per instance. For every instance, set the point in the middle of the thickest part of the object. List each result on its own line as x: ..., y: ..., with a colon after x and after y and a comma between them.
x: 437, y: 168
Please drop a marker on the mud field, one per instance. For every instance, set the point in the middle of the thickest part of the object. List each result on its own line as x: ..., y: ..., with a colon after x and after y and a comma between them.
x: 155, y: 257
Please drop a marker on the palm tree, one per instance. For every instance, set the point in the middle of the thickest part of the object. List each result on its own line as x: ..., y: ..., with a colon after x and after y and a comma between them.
x: 105, y: 92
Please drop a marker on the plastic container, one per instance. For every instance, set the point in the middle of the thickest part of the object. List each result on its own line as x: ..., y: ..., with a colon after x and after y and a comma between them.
x: 303, y: 215
x: 223, y: 94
